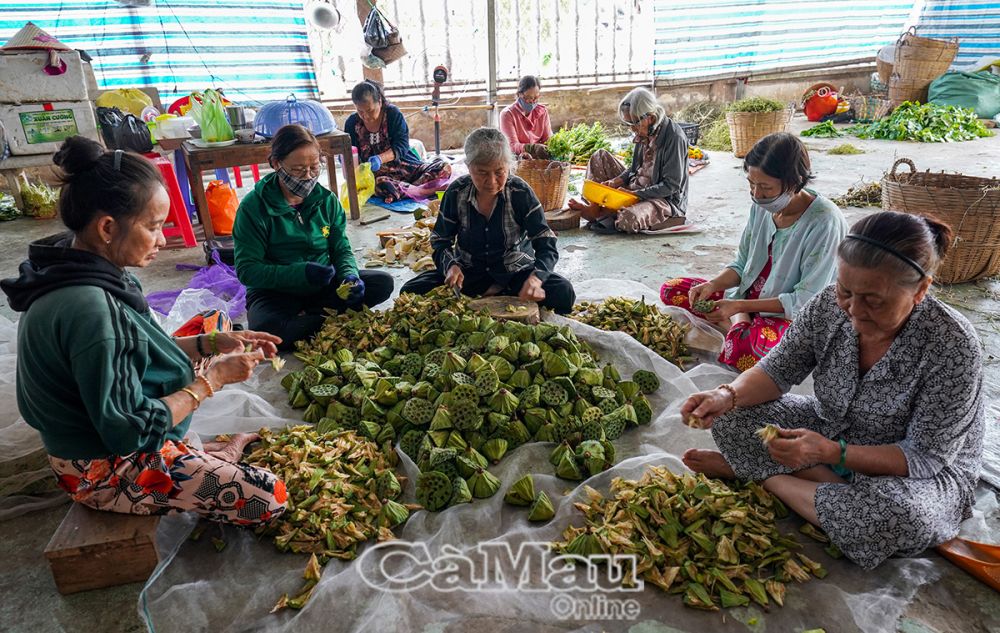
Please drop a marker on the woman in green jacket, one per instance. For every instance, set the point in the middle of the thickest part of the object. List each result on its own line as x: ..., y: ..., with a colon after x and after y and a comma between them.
x: 108, y: 390
x: 292, y: 251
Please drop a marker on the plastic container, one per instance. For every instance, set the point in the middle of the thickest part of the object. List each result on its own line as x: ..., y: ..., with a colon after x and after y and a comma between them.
x: 608, y: 197
x: 310, y: 114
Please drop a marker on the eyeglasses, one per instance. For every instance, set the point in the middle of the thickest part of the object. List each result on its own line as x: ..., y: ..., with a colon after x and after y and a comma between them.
x: 304, y: 171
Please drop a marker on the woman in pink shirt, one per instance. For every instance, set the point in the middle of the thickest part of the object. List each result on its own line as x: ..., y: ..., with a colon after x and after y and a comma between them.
x: 525, y: 122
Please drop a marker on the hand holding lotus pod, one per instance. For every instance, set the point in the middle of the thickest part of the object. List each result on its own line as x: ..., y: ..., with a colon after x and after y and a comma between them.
x: 767, y: 433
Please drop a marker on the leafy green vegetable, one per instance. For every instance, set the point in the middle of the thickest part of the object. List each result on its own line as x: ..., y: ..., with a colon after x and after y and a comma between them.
x: 844, y: 149
x: 823, y: 130
x: 39, y: 198
x: 926, y: 123
x: 716, y: 137
x: 8, y: 209
x: 578, y: 143
x: 756, y: 104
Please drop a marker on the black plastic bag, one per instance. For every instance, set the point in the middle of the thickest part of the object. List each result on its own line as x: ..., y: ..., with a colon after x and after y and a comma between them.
x: 124, y: 131
x: 379, y: 33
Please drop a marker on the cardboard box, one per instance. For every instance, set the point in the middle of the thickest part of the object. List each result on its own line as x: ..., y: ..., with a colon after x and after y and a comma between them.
x: 40, y: 128
x: 22, y: 79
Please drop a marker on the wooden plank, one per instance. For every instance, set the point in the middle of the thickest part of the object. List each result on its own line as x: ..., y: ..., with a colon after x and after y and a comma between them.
x: 508, y: 308
x: 92, y: 549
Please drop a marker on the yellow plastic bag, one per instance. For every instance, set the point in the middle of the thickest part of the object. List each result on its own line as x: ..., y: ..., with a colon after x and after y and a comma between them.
x: 365, y: 180
x: 128, y: 100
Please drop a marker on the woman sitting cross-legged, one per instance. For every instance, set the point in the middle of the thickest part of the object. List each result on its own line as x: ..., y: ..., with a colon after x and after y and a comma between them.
x: 491, y: 237
x: 108, y: 390
x: 786, y: 255
x: 885, y: 457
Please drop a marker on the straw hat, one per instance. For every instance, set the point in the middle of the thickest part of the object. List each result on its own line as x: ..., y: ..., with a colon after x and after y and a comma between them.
x: 32, y: 37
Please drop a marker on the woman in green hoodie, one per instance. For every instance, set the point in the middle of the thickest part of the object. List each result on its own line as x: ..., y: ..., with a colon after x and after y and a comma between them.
x: 108, y: 390
x: 292, y: 251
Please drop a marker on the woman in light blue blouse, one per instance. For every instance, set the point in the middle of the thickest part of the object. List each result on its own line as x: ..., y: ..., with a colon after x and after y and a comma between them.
x: 787, y: 255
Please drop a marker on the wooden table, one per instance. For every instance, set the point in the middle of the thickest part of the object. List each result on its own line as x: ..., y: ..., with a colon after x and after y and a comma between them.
x: 198, y: 159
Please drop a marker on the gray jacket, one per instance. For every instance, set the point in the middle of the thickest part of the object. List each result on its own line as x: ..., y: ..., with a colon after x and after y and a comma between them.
x: 670, y: 173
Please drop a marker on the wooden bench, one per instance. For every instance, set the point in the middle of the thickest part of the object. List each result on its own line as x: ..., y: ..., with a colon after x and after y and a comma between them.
x: 93, y: 550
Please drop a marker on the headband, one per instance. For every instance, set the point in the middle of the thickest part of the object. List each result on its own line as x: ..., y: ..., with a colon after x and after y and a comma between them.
x: 118, y: 159
x: 890, y: 250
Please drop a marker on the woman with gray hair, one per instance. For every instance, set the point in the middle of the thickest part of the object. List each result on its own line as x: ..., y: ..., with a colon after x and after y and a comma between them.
x: 491, y: 237
x: 658, y: 174
x: 885, y: 457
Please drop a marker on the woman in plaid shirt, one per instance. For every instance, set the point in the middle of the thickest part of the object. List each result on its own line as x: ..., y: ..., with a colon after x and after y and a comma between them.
x: 491, y: 237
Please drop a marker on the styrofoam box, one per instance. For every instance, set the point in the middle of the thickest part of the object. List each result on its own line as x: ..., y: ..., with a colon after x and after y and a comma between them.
x: 23, y: 80
x: 40, y: 128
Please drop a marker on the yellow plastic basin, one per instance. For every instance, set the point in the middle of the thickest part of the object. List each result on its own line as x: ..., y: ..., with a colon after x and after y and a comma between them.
x: 608, y: 197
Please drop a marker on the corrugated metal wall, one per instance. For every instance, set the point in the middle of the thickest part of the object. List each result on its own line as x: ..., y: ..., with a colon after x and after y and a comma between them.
x: 255, y: 50
x: 715, y: 38
x: 976, y: 24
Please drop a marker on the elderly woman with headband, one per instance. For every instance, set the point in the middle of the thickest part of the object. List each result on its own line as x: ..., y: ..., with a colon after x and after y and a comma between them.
x: 885, y: 457
x: 658, y: 175
x: 491, y: 237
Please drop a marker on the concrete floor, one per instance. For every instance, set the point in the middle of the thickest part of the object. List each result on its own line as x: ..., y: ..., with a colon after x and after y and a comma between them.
x: 718, y: 203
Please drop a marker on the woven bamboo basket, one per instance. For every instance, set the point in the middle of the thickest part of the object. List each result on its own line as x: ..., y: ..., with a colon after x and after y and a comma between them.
x: 923, y: 58
x: 911, y: 38
x: 746, y: 128
x: 549, y: 179
x: 970, y: 205
x: 901, y: 90
x: 868, y: 108
x: 883, y: 63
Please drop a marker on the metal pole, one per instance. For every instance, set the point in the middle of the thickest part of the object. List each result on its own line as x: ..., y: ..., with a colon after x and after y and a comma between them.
x: 491, y: 38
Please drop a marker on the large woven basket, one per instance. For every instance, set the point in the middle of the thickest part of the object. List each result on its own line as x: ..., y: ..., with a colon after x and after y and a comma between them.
x: 970, y: 205
x: 923, y: 58
x: 901, y: 90
x: 746, y: 128
x: 549, y: 179
x: 883, y: 62
x: 868, y: 108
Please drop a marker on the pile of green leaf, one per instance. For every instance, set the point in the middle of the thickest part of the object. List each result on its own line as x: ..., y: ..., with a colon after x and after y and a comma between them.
x: 756, y: 104
x: 825, y: 129
x: 716, y: 137
x: 39, y: 198
x: 578, y: 143
x: 926, y: 123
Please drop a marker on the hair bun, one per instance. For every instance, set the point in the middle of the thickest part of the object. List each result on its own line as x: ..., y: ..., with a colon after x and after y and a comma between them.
x: 77, y: 155
x: 943, y: 235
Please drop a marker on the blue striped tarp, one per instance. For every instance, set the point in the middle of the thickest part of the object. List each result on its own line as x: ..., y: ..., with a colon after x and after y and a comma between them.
x: 255, y: 51
x: 976, y: 24
x: 710, y: 38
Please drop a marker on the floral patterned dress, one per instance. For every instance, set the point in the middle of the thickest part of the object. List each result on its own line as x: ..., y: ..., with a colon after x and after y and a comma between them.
x: 923, y: 396
x: 394, y: 177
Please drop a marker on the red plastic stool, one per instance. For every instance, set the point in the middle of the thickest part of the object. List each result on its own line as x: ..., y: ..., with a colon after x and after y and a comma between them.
x: 178, y: 216
x: 254, y: 169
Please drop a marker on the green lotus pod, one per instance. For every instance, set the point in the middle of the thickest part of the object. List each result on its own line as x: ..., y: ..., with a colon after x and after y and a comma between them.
x: 589, y: 376
x: 552, y: 394
x: 465, y: 392
x: 504, y: 402
x: 431, y: 373
x: 534, y: 418
x: 502, y: 367
x: 592, y: 430
x: 392, y: 514
x: 487, y: 381
x: 387, y: 485
x: 311, y: 377
x: 418, y: 411
x: 477, y: 341
x: 647, y: 381
x: 555, y: 457
x: 610, y: 454
x: 483, y: 484
x: 511, y: 353
x: 467, y: 467
x: 541, y: 508
x: 410, y: 443
x: 476, y: 440
x: 590, y: 449
x: 385, y: 393
x: 554, y: 364
x: 394, y: 416
x: 328, y: 425
x: 412, y: 364
x: 565, y: 410
x: 595, y: 466
x: 626, y: 391
x: 494, y: 449
x: 614, y: 427
x: 558, y: 341
x: 546, y: 433
x: 531, y: 397
x: 515, y: 432
x: 475, y: 457
x: 544, y: 330
x: 520, y: 379
x: 521, y: 492
x: 449, y: 322
x: 313, y: 413
x: 369, y: 429
x: 468, y: 324
x: 476, y: 363
x: 329, y: 368
x: 453, y: 363
x: 445, y: 339
x: 298, y: 399
x: 460, y: 492
x: 602, y: 393
x: 643, y: 410
x: 404, y: 388
x: 591, y: 414
x: 529, y: 352
x: 382, y: 353
x: 465, y: 415
x: 579, y: 406
x: 422, y: 389
x: 626, y: 413
x: 494, y: 420
x: 439, y: 438
x: 585, y: 544
x: 611, y: 373
x: 496, y: 345
x: 434, y: 490
x: 439, y: 456
x: 441, y: 420
x: 568, y: 468
x: 348, y: 417
x: 291, y: 378
x: 386, y: 434
x: 460, y: 378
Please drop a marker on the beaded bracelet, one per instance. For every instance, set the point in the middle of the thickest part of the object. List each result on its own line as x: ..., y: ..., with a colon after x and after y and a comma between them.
x: 208, y: 385
x: 732, y: 392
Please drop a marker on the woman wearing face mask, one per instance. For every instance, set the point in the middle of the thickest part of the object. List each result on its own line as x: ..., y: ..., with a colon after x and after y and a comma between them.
x: 658, y: 175
x: 491, y: 237
x: 291, y: 245
x: 525, y: 122
x: 886, y: 456
x: 786, y: 256
x: 109, y: 391
x: 382, y: 137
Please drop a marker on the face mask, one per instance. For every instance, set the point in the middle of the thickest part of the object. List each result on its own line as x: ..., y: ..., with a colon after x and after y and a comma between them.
x: 297, y: 186
x: 527, y: 107
x: 775, y: 204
